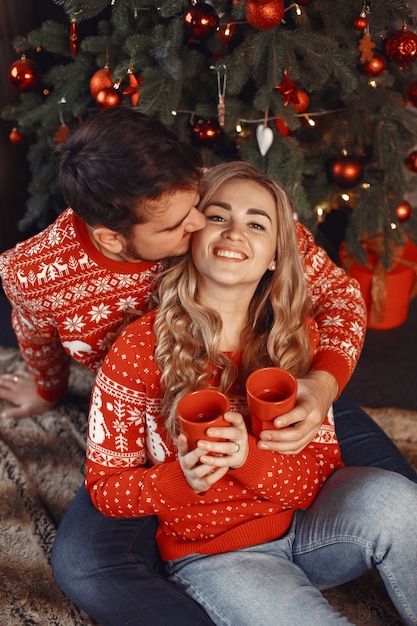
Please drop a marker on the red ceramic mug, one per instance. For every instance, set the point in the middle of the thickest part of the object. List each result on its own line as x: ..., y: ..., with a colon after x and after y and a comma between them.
x: 270, y: 392
x: 200, y: 410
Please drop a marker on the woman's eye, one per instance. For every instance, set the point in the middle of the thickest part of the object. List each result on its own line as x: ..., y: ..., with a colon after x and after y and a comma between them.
x: 257, y: 226
x: 214, y: 218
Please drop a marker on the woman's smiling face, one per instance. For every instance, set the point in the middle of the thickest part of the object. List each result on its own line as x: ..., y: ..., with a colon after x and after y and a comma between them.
x: 238, y: 243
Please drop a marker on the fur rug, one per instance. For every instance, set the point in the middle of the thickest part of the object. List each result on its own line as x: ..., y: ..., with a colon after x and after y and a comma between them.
x: 41, y: 467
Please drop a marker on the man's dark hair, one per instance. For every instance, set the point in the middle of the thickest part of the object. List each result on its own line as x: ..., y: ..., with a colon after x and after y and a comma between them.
x: 115, y: 158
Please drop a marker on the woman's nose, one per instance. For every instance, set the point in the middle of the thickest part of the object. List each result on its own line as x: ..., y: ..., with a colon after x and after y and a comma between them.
x: 233, y: 231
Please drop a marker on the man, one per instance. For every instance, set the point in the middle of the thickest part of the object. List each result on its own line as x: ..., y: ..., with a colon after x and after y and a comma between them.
x: 133, y: 190
x: 72, y: 286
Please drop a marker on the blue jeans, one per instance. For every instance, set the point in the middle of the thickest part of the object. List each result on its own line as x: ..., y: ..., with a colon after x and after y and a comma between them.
x: 110, y: 568
x: 362, y: 518
x: 363, y: 443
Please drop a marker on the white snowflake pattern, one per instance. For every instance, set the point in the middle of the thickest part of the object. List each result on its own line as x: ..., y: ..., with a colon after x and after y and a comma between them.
x: 75, y: 324
x: 102, y: 344
x: 335, y: 320
x: 135, y: 418
x: 57, y: 300
x: 127, y: 281
x: 150, y: 273
x: 55, y: 237
x: 99, y: 312
x: 119, y: 426
x: 80, y: 291
x: 339, y: 303
x: 101, y: 285
x: 34, y: 251
x: 125, y: 303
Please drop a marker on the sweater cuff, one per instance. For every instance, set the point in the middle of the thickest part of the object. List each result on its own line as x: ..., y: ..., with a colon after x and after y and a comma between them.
x: 51, y: 395
x: 335, y: 364
x: 253, y: 467
x: 171, y: 480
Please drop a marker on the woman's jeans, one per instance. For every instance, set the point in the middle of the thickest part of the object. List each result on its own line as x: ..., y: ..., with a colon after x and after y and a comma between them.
x: 362, y: 518
x: 111, y: 569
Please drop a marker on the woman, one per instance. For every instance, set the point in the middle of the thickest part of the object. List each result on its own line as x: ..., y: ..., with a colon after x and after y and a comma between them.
x: 248, y: 532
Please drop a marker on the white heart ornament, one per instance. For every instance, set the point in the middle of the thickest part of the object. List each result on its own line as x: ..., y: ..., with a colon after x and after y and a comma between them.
x: 264, y: 137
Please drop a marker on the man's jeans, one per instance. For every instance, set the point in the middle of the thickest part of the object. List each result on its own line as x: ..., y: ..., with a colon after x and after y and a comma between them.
x: 362, y: 518
x: 111, y: 569
x: 364, y: 443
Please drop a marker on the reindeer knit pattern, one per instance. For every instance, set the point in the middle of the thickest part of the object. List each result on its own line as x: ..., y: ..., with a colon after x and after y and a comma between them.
x: 68, y: 300
x: 252, y: 504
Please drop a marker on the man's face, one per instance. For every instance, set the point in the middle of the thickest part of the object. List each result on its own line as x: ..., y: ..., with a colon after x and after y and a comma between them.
x: 167, y: 233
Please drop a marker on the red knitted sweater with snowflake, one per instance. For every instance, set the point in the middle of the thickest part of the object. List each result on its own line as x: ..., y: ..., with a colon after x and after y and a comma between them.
x: 249, y: 505
x: 69, y: 300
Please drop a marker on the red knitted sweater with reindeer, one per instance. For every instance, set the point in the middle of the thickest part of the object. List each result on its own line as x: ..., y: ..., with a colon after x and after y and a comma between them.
x: 69, y: 300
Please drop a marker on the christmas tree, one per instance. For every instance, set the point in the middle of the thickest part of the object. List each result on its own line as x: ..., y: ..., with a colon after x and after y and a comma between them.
x: 320, y: 94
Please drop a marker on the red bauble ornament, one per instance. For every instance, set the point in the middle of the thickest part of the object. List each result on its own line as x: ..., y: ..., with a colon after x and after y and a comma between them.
x: 99, y: 80
x: 412, y: 93
x: 360, y: 23
x: 15, y: 136
x: 401, y: 47
x: 108, y: 97
x: 403, y: 211
x: 346, y: 171
x: 264, y: 14
x: 201, y: 21
x: 207, y: 132
x: 24, y: 74
x: 375, y: 66
x: 300, y: 100
x: 411, y: 161
x: 282, y: 127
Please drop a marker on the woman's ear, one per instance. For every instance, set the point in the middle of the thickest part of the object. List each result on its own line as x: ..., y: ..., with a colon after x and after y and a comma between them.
x: 272, y: 266
x: 108, y: 239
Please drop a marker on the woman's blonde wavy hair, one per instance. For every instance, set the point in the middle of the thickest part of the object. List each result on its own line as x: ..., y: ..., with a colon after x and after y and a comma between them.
x: 188, y: 334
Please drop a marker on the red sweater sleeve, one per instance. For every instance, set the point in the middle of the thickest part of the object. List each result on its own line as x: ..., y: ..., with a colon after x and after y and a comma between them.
x: 291, y: 481
x: 338, y: 308
x: 36, y: 334
x: 128, y: 452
